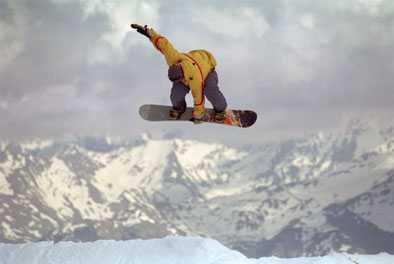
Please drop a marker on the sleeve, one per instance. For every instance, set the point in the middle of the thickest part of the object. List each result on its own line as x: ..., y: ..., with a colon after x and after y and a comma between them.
x: 162, y: 44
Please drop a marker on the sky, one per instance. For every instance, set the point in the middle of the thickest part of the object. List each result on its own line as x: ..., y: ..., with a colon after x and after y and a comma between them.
x: 76, y: 68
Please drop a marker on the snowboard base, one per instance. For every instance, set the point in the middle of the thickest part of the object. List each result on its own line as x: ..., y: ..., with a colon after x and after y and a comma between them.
x: 239, y: 118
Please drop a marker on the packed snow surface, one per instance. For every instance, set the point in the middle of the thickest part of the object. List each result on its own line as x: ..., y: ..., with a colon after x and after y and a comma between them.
x: 169, y: 250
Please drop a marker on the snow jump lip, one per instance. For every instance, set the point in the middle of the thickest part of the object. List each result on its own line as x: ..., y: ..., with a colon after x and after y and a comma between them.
x: 166, y: 250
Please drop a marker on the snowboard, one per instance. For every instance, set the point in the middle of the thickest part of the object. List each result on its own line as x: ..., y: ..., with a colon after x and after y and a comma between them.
x: 239, y: 118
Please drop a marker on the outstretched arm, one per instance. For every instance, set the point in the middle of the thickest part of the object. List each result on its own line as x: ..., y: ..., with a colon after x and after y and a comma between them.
x: 161, y: 43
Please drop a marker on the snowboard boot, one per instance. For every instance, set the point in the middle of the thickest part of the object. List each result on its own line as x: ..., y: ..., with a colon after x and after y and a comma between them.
x: 220, y: 116
x: 175, y: 114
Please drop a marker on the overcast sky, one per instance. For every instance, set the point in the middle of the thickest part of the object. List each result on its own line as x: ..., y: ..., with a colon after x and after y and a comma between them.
x: 74, y: 67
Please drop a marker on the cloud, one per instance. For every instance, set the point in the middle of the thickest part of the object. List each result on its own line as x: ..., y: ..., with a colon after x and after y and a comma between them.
x: 121, y: 14
x: 308, y: 21
x: 4, y: 105
x: 236, y: 23
x: 113, y: 43
x: 372, y: 7
x: 12, y: 29
x: 73, y: 66
x: 10, y: 45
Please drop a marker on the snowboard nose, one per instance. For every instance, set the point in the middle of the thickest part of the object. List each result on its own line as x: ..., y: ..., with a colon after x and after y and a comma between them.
x: 248, y: 118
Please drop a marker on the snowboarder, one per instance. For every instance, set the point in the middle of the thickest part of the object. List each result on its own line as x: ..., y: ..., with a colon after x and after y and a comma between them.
x: 195, y: 71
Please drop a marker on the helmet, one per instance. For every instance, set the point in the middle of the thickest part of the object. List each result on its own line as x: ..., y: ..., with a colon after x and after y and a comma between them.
x: 175, y: 72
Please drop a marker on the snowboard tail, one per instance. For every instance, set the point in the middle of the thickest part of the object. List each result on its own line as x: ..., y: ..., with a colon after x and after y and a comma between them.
x: 240, y: 118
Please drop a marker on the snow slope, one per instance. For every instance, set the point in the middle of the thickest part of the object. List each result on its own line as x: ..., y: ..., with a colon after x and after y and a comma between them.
x: 169, y: 250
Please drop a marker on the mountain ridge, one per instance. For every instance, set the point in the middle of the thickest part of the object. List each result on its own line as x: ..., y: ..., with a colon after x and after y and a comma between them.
x: 255, y: 198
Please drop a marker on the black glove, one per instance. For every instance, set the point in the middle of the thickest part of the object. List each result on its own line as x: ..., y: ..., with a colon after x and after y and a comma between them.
x: 141, y: 29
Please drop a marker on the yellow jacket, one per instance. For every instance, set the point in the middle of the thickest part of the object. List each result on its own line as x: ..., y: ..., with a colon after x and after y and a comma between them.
x: 196, y: 66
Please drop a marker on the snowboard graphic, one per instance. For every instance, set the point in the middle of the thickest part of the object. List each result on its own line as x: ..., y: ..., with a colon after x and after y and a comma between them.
x: 240, y: 118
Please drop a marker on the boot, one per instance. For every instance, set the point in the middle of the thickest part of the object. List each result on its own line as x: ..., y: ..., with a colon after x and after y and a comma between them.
x: 220, y: 116
x: 175, y: 114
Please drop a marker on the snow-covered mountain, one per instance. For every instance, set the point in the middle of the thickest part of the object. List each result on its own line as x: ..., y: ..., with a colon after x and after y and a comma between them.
x: 306, y: 196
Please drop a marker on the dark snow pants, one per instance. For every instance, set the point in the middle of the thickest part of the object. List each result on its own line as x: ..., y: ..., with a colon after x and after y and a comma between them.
x: 211, y: 92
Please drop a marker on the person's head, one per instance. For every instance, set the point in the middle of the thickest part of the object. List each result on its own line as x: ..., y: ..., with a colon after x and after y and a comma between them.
x: 175, y: 73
